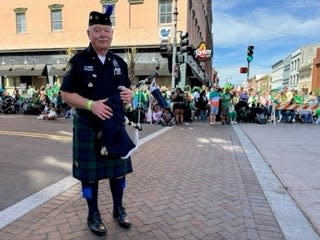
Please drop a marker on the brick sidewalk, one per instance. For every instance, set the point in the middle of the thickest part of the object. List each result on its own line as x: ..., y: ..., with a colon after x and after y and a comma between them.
x: 188, y: 183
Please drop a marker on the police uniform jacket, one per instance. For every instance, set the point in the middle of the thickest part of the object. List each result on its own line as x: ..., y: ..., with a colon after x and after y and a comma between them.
x: 87, y: 76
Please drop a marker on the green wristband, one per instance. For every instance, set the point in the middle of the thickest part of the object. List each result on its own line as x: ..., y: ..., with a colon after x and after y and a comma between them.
x: 89, y: 105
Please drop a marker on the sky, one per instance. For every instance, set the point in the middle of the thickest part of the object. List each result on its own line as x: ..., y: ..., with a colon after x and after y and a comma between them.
x: 275, y: 28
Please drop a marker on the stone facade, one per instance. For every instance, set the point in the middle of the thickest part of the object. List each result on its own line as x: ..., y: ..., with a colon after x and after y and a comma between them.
x: 298, y: 70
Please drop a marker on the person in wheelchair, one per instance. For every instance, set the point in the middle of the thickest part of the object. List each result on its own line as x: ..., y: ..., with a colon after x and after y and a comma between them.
x: 253, y: 103
x: 241, y: 107
x: 261, y: 113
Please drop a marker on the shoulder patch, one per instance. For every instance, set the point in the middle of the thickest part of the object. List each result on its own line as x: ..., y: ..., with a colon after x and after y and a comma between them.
x: 68, y: 68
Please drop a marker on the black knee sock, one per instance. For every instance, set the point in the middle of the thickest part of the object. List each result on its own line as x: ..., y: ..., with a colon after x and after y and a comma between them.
x: 90, y: 193
x: 117, y: 186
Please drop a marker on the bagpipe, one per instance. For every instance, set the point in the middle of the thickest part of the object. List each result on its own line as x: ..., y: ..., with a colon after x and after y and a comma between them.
x: 154, y: 89
x: 150, y: 81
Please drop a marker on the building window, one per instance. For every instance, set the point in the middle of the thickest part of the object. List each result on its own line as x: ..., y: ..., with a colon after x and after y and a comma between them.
x: 56, y: 17
x: 165, y: 11
x: 135, y: 1
x: 20, y: 20
x: 56, y: 20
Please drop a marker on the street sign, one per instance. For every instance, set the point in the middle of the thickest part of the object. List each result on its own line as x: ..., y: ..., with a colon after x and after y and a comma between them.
x: 243, y: 70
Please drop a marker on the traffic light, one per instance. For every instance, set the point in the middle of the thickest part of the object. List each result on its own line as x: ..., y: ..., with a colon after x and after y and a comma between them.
x: 170, y: 64
x: 164, y: 49
x: 184, y: 42
x: 250, y: 53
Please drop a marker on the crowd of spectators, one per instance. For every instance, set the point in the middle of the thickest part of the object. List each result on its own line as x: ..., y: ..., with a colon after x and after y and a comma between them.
x: 216, y: 105
x: 231, y: 105
x: 46, y: 102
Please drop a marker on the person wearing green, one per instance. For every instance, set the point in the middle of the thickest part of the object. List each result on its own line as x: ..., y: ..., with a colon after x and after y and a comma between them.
x: 49, y: 92
x: 56, y: 88
x: 31, y: 91
x: 317, y: 116
x: 141, y: 96
x: 225, y: 105
x: 298, y: 98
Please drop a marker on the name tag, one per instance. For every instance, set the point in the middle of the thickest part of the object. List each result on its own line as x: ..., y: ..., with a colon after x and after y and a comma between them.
x: 88, y: 68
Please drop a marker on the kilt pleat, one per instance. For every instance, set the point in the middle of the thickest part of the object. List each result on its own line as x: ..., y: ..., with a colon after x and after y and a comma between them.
x: 88, y: 164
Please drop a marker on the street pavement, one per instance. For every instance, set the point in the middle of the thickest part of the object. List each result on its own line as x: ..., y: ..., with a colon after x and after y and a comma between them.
x: 243, y: 181
x: 292, y: 153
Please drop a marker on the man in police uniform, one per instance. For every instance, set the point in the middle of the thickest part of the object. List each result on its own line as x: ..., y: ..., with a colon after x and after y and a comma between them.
x: 93, y: 75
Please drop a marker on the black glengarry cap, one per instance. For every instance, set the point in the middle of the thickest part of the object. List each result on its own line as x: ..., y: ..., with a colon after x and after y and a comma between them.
x: 101, y: 18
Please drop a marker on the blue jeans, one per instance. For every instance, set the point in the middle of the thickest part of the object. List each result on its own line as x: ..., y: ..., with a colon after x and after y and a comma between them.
x: 307, y: 117
x: 288, y: 116
x: 203, y: 115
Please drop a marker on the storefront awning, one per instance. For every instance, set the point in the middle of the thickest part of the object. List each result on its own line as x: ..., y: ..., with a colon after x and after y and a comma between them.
x: 22, y: 70
x: 56, y: 69
x: 147, y: 69
x: 196, y: 69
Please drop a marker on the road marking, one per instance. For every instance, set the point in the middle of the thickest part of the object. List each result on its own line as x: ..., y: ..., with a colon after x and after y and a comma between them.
x: 10, y: 116
x: 37, y: 135
x: 26, y: 205
x: 19, y: 209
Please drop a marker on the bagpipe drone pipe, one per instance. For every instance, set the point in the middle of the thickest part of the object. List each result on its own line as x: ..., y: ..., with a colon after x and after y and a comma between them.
x: 154, y: 89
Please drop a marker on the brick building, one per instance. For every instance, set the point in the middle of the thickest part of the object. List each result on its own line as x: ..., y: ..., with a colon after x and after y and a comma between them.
x: 316, y: 71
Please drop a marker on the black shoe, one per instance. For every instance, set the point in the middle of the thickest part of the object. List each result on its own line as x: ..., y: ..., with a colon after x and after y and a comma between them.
x: 122, y: 217
x: 96, y: 225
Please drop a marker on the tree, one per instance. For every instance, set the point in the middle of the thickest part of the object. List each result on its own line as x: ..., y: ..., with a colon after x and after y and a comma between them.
x: 131, y: 56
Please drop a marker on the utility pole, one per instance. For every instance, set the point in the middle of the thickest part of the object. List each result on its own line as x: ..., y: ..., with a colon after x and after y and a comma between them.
x: 174, y: 43
x: 248, y: 74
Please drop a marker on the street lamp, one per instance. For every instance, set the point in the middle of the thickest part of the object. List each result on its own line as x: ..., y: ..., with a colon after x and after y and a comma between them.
x: 174, y: 43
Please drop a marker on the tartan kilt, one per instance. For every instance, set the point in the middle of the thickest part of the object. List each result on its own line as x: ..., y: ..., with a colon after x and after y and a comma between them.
x: 88, y: 164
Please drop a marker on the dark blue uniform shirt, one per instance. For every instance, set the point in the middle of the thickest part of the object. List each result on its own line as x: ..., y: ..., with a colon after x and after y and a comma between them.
x: 87, y: 76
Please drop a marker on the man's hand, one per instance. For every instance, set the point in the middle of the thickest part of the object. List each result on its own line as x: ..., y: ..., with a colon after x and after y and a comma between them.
x: 101, y: 110
x: 126, y: 95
